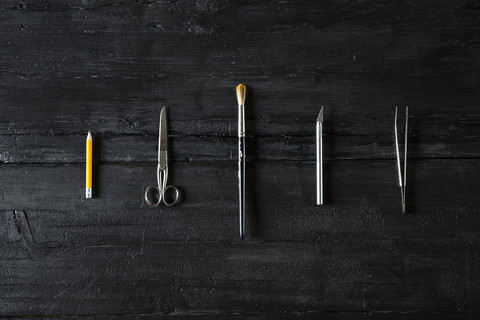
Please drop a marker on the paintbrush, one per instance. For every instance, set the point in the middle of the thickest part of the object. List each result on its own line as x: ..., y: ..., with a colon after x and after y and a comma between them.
x: 241, y: 93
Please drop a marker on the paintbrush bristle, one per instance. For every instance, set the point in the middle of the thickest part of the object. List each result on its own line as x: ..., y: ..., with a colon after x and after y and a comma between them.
x: 241, y: 93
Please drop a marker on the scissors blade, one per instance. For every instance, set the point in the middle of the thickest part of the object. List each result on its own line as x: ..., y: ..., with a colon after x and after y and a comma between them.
x: 162, y: 134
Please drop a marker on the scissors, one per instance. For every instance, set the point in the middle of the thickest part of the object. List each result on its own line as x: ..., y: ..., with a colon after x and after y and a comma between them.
x: 162, y: 168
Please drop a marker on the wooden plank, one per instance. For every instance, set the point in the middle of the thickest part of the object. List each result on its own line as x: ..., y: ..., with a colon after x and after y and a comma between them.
x: 276, y: 15
x: 397, y: 274
x: 353, y: 106
x: 328, y: 315
x: 273, y: 184
x: 289, y: 223
x: 70, y: 149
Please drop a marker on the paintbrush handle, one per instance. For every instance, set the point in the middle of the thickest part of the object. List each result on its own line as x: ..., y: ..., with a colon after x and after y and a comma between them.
x: 241, y: 184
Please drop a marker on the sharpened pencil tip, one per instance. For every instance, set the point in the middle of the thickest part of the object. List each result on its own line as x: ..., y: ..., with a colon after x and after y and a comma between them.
x: 89, y: 136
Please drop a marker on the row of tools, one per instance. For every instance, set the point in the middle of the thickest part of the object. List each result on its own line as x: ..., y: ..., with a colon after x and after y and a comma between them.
x: 170, y: 195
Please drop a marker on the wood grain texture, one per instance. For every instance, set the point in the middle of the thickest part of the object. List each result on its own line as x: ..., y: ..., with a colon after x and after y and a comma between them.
x: 341, y: 270
x: 284, y: 315
x: 65, y: 149
x: 208, y: 185
x: 108, y: 66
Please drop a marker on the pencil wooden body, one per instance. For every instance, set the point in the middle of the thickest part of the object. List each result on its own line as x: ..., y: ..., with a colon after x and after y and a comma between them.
x: 88, y: 182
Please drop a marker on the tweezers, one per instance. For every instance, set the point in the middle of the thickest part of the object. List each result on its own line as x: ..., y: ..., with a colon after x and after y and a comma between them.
x: 402, y: 182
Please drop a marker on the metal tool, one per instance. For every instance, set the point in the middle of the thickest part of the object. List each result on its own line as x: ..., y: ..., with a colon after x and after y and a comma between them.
x: 241, y: 93
x: 162, y: 168
x: 320, y: 157
x: 402, y: 182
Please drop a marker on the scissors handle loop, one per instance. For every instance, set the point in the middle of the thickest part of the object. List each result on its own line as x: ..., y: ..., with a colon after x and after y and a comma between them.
x: 147, y: 199
x: 161, y: 188
x: 175, y: 197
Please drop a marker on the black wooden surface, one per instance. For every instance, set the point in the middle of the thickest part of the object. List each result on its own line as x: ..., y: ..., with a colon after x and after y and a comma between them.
x: 108, y: 66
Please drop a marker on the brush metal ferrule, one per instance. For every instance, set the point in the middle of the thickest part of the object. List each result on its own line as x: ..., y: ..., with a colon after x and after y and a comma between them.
x: 241, y: 121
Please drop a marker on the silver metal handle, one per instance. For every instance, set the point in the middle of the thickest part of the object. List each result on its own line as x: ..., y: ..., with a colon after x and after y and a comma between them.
x: 319, y: 164
x: 161, y: 188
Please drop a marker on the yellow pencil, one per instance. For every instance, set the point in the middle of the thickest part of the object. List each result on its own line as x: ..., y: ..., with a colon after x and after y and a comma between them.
x: 88, y: 189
